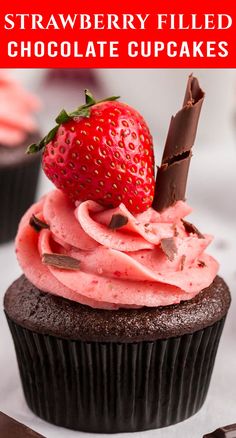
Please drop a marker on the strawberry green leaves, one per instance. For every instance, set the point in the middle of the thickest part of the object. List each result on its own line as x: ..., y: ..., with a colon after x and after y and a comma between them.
x: 64, y: 117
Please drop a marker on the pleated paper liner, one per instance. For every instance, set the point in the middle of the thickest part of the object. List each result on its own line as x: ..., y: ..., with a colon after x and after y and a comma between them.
x: 18, y: 185
x: 115, y: 387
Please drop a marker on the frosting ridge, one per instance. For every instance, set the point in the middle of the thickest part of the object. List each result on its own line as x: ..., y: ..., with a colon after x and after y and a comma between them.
x: 150, y: 261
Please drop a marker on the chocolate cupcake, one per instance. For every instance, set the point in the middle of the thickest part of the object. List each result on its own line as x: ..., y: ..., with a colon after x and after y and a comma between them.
x: 18, y: 172
x: 117, y: 318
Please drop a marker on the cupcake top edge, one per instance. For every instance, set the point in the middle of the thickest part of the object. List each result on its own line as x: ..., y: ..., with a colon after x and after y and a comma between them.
x: 111, y: 258
x: 78, y: 322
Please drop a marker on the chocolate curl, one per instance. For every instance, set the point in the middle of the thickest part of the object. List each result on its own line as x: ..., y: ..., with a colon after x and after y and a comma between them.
x: 10, y: 428
x: 223, y: 432
x: 172, y: 176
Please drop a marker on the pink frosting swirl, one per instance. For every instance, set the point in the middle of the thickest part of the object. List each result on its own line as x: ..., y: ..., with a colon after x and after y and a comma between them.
x: 16, y: 112
x: 126, y: 267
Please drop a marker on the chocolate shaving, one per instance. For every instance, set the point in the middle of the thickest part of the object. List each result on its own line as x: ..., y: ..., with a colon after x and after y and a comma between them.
x: 172, y: 175
x: 223, y: 432
x: 169, y: 247
x: 37, y: 224
x: 61, y: 261
x: 176, y: 233
x: 201, y: 264
x: 182, y: 262
x: 117, y: 221
x: 190, y: 228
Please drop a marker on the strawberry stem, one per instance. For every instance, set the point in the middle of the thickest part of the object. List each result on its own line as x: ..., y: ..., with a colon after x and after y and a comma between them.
x: 64, y: 117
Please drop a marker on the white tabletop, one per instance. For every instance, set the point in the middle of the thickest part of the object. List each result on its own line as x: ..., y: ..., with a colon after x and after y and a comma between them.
x: 211, y: 192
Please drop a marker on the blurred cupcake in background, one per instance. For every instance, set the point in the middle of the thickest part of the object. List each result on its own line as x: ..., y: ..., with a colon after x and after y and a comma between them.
x: 73, y: 75
x: 64, y: 88
x: 18, y: 171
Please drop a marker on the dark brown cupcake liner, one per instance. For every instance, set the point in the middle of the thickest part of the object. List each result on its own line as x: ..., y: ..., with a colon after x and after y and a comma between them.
x: 18, y: 184
x: 115, y: 387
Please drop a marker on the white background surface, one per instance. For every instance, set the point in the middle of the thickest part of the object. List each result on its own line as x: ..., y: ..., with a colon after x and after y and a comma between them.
x: 211, y: 192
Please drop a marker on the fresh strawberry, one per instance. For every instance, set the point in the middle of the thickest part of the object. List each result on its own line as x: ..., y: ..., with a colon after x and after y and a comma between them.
x: 102, y: 151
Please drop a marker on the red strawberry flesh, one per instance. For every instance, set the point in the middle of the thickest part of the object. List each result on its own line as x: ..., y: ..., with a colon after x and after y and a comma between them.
x: 107, y: 157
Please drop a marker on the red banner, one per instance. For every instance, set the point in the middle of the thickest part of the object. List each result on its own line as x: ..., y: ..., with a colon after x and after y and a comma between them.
x: 118, y: 34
